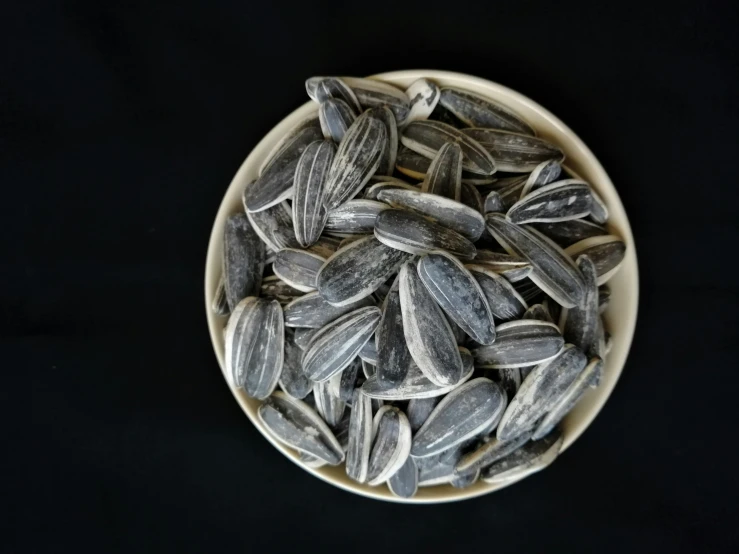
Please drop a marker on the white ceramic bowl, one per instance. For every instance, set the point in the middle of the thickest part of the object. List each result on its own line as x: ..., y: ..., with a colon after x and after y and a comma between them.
x: 620, y: 316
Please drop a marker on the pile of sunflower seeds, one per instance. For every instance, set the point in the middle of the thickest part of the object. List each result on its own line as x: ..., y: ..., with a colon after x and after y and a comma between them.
x: 424, y: 282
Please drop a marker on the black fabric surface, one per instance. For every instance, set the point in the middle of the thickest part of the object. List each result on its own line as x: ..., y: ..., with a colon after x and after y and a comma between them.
x: 121, y: 127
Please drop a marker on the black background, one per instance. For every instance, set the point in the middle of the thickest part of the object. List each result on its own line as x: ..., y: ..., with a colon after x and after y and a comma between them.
x: 122, y: 125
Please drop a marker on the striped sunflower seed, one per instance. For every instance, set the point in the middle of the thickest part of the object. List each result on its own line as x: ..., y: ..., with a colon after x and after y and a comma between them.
x: 520, y: 343
x: 308, y: 209
x: 607, y: 253
x: 514, y: 152
x: 530, y: 458
x: 582, y: 325
x: 444, y: 174
x: 391, y: 444
x: 310, y: 461
x: 321, y: 89
x: 566, y: 233
x: 598, y: 209
x: 390, y: 150
x: 292, y: 380
x: 243, y: 260
x: 275, y: 226
x: 310, y: 121
x: 336, y: 116
x: 553, y: 270
x: 509, y: 191
x: 411, y: 163
x: 513, y: 268
x: 411, y: 232
x: 543, y: 174
x: 295, y: 424
x: 374, y: 190
x: 274, y: 287
x: 393, y: 356
x: 355, y: 217
x: 338, y: 343
x: 476, y: 111
x: 356, y: 270
x: 458, y: 293
x: 372, y: 93
x: 255, y: 346
x: 424, y: 96
x: 427, y: 138
x: 348, y: 381
x: 461, y: 219
x: 461, y: 415
x: 487, y: 453
x: 313, y: 311
x: 504, y: 302
x: 329, y: 404
x: 298, y: 268
x: 560, y: 201
x: 404, y: 484
x: 360, y: 437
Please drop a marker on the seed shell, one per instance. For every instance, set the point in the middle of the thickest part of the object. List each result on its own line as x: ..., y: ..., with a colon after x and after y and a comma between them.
x: 335, y: 116
x: 560, y: 201
x: 298, y: 268
x: 520, y: 343
x: 444, y: 175
x: 504, y: 302
x: 476, y: 111
x: 607, y: 253
x: 514, y: 152
x: 391, y: 445
x: 308, y: 209
x: 530, y: 458
x: 275, y: 226
x: 243, y: 260
x: 356, y: 217
x: 582, y: 325
x: 360, y: 437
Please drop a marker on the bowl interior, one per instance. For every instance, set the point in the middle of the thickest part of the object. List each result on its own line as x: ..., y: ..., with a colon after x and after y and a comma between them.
x: 620, y: 316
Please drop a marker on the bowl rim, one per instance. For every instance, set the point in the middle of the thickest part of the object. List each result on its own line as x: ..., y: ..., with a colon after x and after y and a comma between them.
x: 598, y: 178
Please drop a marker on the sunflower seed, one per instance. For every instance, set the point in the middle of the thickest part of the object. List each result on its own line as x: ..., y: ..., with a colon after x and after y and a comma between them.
x: 358, y: 269
x: 427, y: 138
x: 360, y: 437
x: 328, y: 403
x: 254, y: 346
x: 304, y: 336
x: 243, y: 260
x: 598, y: 208
x: 581, y: 325
x: 348, y: 382
x: 321, y: 89
x: 312, y: 310
x: 553, y: 270
x: 560, y: 201
x: 459, y: 295
x: 606, y: 252
x: 540, y: 391
x: 274, y: 287
x: 219, y: 305
x: 390, y: 150
x: 488, y: 453
x: 462, y: 414
x: 530, y: 458
x: 404, y: 483
x: 520, y: 343
x: 440, y: 113
x: 424, y: 95
x: 504, y: 302
x: 427, y: 333
x: 543, y: 174
x: 411, y: 163
x: 336, y: 116
x: 513, y: 268
x: 371, y: 93
x: 476, y: 111
x: 308, y: 210
x: 337, y: 344
x: 567, y: 400
x: 368, y: 352
x: 514, y: 152
x: 604, y: 298
x: 310, y: 461
x: 509, y: 379
x: 509, y: 191
x: 275, y: 227
x: 444, y: 174
x: 432, y: 471
x: 393, y: 356
x: 295, y: 424
x: 566, y: 233
x: 538, y: 311
x: 411, y: 232
x: 341, y: 431
x: 390, y: 446
x: 471, y: 197
x: 288, y: 141
x: 461, y: 219
x: 419, y: 410
x: 298, y: 268
x: 373, y: 191
x: 356, y: 217
x: 292, y: 380
x: 466, y: 480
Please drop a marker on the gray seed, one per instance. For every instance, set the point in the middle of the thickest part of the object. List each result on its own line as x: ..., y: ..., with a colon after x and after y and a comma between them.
x: 243, y: 260
x: 411, y: 163
x: 604, y: 298
x: 459, y: 295
x: 433, y: 472
x: 404, y: 483
x: 466, y: 480
x: 427, y: 138
x: 581, y: 325
x: 560, y: 201
x: 494, y: 203
x: 504, y: 302
x: 471, y: 197
x: 520, y: 343
x: 477, y: 111
x: 488, y: 453
x: 371, y: 93
x: 553, y: 270
x: 292, y: 380
x: 462, y: 219
x: 514, y: 152
x: 310, y: 461
x: 566, y: 233
x: 387, y: 158
x: 508, y: 379
x: 607, y: 252
x: 298, y: 268
x: 356, y: 159
x: 356, y: 217
x: 288, y: 141
x: 410, y: 232
x: 360, y: 437
x: 308, y: 209
x: 312, y: 310
x: 589, y: 377
x: 538, y: 311
x: 356, y: 270
x: 543, y: 174
x: 294, y: 423
x: 275, y: 227
x: 540, y: 391
x: 419, y: 410
x: 255, y: 346
x: 444, y: 174
x: 598, y: 209
x: 274, y: 287
x: 424, y: 96
x: 461, y: 415
x: 303, y: 337
x: 349, y: 380
x: 220, y: 302
x: 368, y: 352
x: 320, y: 89
x: 341, y: 431
x: 338, y: 343
x: 427, y: 333
x: 530, y: 458
x: 393, y: 356
x: 336, y: 116
x: 328, y: 403
x: 275, y: 184
x: 391, y: 444
x: 373, y: 191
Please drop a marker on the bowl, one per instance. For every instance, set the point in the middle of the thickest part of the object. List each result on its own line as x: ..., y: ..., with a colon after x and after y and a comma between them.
x: 620, y: 316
